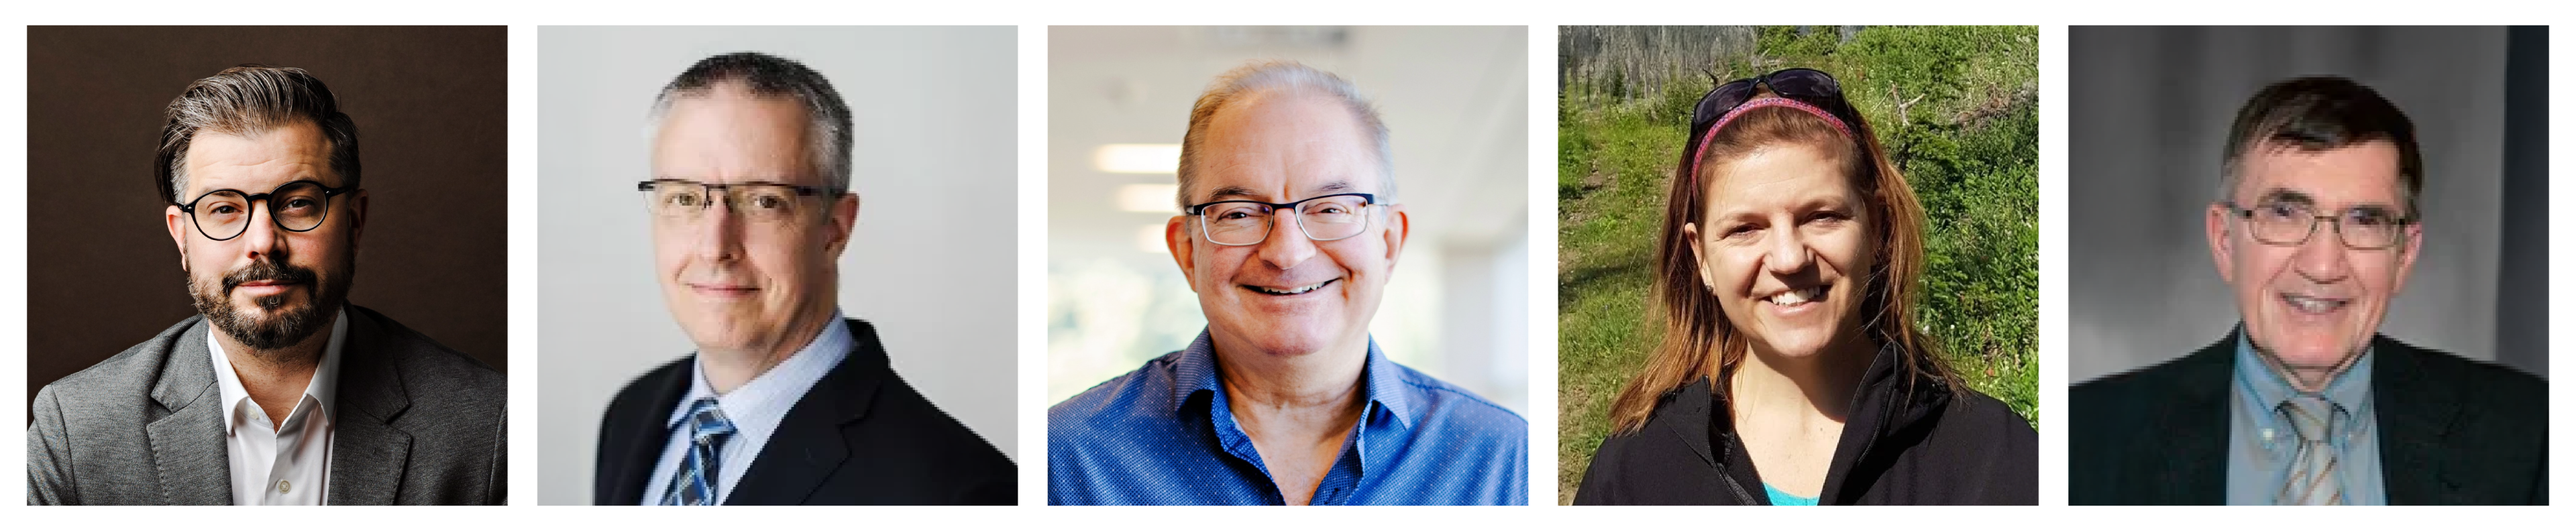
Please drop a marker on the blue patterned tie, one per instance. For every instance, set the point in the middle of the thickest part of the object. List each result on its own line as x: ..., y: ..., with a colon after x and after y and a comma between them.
x: 695, y: 482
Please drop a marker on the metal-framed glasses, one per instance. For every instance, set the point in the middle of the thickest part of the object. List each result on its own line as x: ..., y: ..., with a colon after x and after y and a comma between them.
x: 295, y: 207
x: 2289, y: 223
x: 1323, y: 218
x: 760, y: 201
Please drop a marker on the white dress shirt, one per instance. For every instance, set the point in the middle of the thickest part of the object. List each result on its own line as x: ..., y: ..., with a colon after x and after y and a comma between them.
x: 755, y: 409
x: 281, y: 463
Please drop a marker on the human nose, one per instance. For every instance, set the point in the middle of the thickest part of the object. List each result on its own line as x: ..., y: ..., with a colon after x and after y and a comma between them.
x: 1787, y: 252
x: 260, y: 235
x: 719, y: 231
x: 2323, y: 257
x: 1287, y: 245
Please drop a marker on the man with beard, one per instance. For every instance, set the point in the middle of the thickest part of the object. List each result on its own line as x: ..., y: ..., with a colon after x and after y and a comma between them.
x: 279, y: 392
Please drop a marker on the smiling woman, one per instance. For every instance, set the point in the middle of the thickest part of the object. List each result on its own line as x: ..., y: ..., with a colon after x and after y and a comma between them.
x: 1790, y: 256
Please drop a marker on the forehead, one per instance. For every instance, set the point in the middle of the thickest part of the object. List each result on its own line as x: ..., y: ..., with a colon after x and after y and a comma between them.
x: 726, y: 134
x: 1782, y: 174
x: 2364, y: 173
x: 258, y: 162
x: 1284, y: 144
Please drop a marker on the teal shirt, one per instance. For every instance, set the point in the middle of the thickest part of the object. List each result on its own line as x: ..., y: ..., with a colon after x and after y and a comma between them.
x: 1779, y: 497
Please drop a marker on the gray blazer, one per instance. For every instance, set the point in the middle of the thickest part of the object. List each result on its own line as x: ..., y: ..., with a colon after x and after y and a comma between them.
x: 417, y: 424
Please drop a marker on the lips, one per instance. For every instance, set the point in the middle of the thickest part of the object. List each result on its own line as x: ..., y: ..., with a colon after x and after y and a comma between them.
x: 1796, y: 297
x: 723, y: 290
x: 1289, y: 290
x: 2313, y: 305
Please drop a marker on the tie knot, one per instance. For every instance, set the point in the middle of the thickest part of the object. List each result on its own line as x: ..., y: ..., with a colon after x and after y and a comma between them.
x: 706, y: 420
x: 2313, y: 417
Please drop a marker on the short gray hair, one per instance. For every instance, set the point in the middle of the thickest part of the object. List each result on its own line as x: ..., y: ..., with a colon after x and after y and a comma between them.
x: 247, y: 100
x: 773, y: 76
x: 1290, y: 76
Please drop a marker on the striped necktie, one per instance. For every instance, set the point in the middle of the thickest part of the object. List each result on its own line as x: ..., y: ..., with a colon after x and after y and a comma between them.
x: 2312, y: 479
x: 695, y: 482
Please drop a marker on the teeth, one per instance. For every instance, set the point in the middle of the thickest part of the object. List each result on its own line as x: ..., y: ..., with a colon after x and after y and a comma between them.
x: 1797, y: 296
x: 2312, y: 304
x: 1292, y: 291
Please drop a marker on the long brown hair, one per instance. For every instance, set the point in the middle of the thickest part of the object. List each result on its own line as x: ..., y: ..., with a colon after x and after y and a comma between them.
x: 1695, y: 327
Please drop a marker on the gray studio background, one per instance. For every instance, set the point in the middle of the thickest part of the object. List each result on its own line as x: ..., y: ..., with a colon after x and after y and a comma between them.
x: 932, y: 261
x: 2148, y: 115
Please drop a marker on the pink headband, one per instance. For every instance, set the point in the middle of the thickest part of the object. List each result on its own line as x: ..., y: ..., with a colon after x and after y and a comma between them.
x: 1757, y: 104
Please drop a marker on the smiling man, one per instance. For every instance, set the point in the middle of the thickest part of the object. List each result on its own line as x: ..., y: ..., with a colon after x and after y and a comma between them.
x: 1288, y: 232
x: 785, y: 402
x: 279, y: 392
x: 2315, y: 228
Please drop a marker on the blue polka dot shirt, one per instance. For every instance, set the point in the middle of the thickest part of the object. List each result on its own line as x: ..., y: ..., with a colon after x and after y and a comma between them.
x: 1162, y: 435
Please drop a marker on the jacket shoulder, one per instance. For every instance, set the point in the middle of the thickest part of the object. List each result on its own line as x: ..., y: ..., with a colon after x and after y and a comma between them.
x: 638, y: 395
x: 1650, y: 465
x: 128, y: 375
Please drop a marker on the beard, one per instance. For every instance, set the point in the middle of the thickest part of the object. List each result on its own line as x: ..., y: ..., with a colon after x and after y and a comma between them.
x: 281, y: 326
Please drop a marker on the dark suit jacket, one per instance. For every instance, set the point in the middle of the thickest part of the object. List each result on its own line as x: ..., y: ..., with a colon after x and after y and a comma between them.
x: 859, y: 437
x: 417, y: 424
x: 2452, y: 431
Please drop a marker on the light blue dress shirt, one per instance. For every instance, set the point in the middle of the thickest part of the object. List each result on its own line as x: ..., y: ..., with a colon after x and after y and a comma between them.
x: 755, y: 409
x: 1163, y: 435
x: 2262, y: 447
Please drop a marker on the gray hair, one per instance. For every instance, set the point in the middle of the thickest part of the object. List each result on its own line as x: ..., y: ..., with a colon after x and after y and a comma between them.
x: 772, y: 76
x: 1261, y: 77
x: 247, y: 100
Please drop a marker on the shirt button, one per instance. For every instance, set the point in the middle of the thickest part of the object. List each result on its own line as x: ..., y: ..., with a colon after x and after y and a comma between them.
x: 281, y: 486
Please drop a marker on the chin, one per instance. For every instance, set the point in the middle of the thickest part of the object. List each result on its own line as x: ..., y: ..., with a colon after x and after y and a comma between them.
x: 2311, y: 350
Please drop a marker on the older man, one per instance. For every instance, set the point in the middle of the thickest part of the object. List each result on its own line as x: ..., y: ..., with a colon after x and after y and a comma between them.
x: 1289, y: 231
x: 2305, y: 403
x: 278, y: 392
x: 786, y: 402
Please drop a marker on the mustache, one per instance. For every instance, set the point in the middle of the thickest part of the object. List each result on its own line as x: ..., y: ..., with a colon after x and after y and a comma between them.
x: 265, y: 270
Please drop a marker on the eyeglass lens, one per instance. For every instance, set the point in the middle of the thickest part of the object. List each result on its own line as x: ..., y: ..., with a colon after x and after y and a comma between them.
x: 688, y: 201
x: 297, y: 207
x: 1322, y: 219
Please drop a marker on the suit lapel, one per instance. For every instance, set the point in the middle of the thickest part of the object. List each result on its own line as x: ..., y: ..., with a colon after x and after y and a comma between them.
x: 188, y: 448
x: 631, y: 449
x: 2415, y: 416
x: 368, y: 454
x: 809, y: 445
x: 2194, y: 421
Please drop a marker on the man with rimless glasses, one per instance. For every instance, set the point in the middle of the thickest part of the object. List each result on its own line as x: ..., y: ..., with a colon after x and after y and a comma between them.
x: 786, y: 401
x: 1289, y: 228
x: 2315, y: 228
x: 280, y: 392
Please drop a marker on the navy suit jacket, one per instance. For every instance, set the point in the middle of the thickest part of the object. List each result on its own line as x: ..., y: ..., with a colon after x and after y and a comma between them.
x: 860, y: 437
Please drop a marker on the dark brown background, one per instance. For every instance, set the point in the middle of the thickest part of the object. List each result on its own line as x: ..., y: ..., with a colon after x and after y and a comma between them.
x: 431, y: 106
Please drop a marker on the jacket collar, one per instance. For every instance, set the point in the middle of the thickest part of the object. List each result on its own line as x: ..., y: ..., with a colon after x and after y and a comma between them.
x: 1892, y: 407
x: 367, y: 453
x: 810, y: 444
x: 2416, y: 418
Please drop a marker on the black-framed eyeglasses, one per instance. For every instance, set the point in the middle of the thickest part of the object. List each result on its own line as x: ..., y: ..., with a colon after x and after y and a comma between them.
x: 2366, y: 228
x: 1322, y: 218
x: 686, y: 200
x: 297, y: 206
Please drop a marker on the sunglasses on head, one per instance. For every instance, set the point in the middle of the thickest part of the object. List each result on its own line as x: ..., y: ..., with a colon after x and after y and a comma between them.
x: 1807, y: 89
x: 1809, y: 85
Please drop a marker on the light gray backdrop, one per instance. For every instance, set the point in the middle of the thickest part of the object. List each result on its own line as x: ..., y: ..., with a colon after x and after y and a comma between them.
x: 932, y: 262
x: 2148, y: 115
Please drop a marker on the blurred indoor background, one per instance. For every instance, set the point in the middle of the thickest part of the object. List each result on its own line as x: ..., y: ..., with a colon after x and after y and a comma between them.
x: 1455, y: 100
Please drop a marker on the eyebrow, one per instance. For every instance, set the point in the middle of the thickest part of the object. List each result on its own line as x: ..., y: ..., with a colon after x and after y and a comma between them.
x: 1223, y: 193
x: 2284, y: 195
